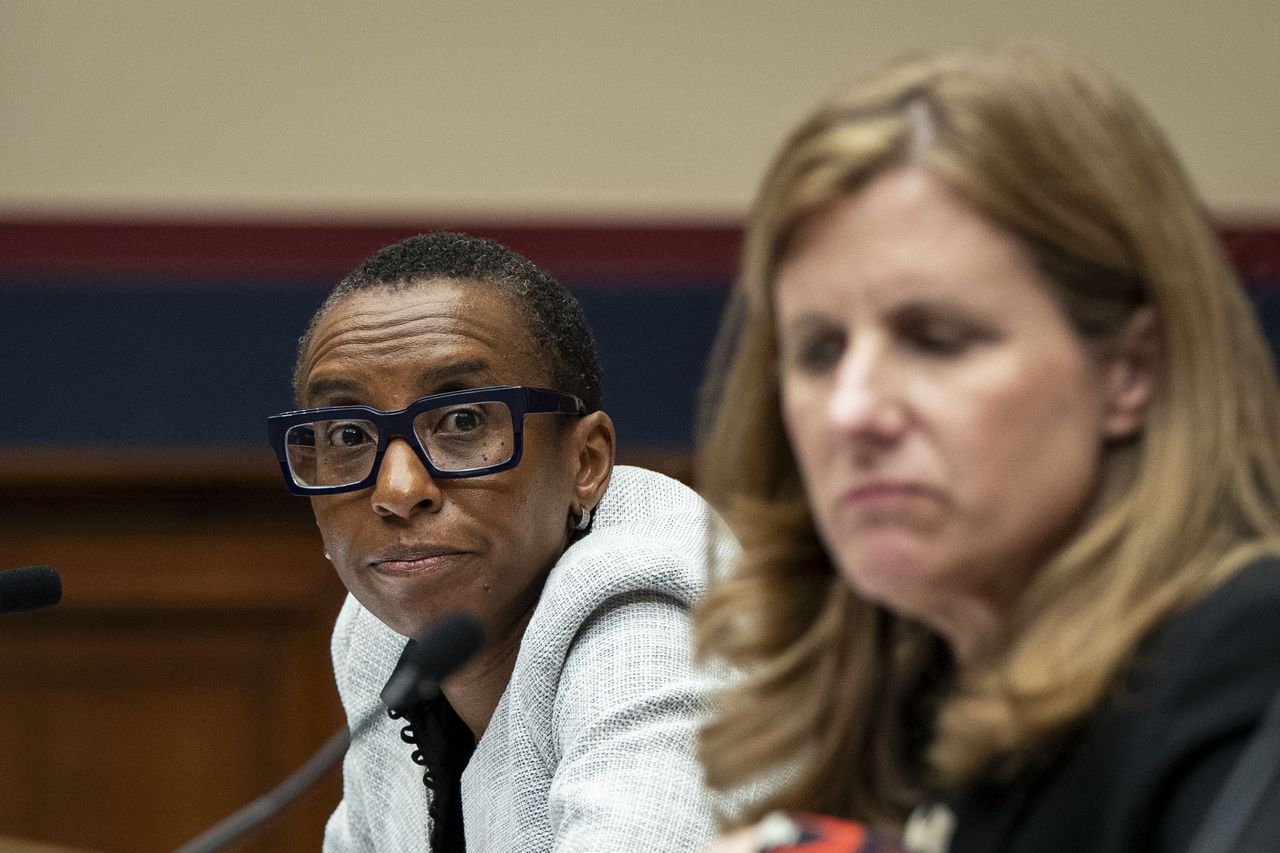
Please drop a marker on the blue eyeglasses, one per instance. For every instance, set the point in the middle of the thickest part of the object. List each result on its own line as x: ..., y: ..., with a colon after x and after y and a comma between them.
x: 458, y: 434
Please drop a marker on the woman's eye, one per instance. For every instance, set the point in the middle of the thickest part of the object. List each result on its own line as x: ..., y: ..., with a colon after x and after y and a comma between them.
x: 818, y: 353
x: 941, y: 341
x: 944, y: 338
x: 461, y: 420
x: 347, y: 435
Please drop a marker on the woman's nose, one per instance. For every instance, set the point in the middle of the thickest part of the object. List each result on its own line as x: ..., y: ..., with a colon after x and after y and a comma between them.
x: 866, y: 399
x: 404, y: 486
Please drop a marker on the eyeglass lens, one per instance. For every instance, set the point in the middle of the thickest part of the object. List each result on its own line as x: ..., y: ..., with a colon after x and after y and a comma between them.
x: 342, y: 451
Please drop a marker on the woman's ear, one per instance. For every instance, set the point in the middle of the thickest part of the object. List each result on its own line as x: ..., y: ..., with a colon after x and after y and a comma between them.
x: 593, y: 443
x: 1129, y: 375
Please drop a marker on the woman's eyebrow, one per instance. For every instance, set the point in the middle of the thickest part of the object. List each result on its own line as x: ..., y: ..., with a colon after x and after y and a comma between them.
x: 341, y: 390
x: 432, y: 378
x: 803, y: 322
x: 331, y: 387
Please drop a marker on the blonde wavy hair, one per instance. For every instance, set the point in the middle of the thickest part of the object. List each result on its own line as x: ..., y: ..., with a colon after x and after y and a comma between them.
x: 845, y: 693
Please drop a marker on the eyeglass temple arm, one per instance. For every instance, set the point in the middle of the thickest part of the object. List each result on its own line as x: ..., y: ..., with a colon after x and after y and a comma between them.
x: 541, y: 400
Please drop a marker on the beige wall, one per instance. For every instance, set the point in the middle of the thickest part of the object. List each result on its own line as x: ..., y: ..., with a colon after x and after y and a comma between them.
x: 560, y: 110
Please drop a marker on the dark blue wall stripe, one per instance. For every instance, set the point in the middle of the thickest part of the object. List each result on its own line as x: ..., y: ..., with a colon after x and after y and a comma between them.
x: 138, y: 363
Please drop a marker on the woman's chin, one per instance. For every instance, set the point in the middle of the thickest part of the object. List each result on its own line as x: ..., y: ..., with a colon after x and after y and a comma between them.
x: 895, y: 575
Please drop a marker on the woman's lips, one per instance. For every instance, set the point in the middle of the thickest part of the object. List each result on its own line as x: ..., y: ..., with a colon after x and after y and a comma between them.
x: 885, y: 495
x: 416, y: 562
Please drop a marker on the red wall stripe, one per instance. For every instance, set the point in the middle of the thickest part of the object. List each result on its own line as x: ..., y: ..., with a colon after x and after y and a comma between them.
x: 1255, y: 251
x: 616, y: 253
x: 676, y: 253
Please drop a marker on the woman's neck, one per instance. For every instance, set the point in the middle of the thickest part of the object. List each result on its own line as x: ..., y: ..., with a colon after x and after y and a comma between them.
x: 475, y: 689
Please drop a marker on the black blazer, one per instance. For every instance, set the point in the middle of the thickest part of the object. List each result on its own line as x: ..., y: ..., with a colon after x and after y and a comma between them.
x: 1142, y: 774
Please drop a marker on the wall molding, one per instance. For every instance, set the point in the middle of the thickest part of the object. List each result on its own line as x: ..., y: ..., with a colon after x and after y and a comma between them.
x: 688, y: 254
x: 677, y: 253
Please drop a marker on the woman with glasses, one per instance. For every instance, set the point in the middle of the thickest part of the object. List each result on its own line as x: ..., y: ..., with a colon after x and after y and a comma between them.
x: 1001, y: 439
x: 457, y: 459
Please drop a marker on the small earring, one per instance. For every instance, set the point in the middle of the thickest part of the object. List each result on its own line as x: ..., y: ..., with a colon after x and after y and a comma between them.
x: 584, y: 520
x: 327, y: 557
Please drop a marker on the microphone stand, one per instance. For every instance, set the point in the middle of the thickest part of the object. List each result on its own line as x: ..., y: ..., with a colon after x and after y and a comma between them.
x: 447, y: 645
x: 239, y: 824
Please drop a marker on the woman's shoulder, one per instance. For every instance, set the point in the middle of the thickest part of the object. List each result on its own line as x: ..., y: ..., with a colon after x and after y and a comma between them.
x: 652, y: 535
x: 1253, y: 589
x: 1199, y: 695
x: 1213, y: 666
x: 1143, y: 771
x: 647, y: 503
x: 641, y: 569
x: 1234, y: 630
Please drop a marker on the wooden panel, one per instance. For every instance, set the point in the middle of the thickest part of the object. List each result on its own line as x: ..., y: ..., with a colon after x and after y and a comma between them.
x: 186, y: 670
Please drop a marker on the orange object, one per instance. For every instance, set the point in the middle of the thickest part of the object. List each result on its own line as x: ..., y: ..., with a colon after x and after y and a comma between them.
x: 822, y: 834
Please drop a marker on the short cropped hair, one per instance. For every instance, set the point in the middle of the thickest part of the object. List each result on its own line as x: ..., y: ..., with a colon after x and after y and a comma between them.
x: 556, y: 320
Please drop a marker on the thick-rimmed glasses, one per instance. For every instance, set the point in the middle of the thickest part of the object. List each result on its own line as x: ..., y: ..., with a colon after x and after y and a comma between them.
x: 458, y: 434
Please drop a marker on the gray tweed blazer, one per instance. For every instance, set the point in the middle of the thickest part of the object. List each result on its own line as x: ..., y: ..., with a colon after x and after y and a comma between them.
x: 591, y: 746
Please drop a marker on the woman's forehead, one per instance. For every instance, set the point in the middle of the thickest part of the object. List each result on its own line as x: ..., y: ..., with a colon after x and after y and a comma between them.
x: 482, y: 301
x: 436, y: 332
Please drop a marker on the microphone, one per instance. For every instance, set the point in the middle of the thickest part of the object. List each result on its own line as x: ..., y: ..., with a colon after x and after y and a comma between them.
x: 29, y: 588
x: 447, y: 644
x: 452, y: 639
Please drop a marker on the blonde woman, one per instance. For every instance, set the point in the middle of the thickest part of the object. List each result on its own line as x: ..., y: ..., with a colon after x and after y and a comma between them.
x: 1001, y: 438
